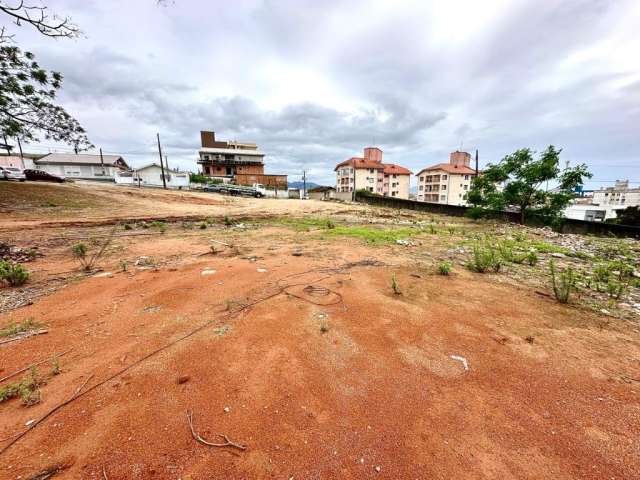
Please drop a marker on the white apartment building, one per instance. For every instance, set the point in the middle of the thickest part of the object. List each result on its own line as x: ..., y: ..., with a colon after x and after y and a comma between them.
x: 618, y: 197
x: 369, y: 173
x: 446, y: 182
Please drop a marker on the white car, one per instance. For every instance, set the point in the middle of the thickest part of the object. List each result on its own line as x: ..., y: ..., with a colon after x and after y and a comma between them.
x: 12, y: 173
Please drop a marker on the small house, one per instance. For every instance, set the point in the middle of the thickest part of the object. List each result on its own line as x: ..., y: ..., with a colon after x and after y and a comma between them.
x: 151, y: 176
x: 82, y: 166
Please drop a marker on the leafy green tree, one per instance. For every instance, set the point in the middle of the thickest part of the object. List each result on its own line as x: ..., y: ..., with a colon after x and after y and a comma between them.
x: 27, y: 91
x: 629, y: 216
x: 516, y: 183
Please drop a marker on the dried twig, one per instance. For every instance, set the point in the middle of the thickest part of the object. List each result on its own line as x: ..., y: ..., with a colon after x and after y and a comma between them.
x: 24, y: 335
x: 221, y: 243
x: 198, y: 438
x: 18, y: 372
x: 104, y: 474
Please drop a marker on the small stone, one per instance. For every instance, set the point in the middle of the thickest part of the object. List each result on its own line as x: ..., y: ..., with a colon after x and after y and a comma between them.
x: 558, y: 255
x: 296, y: 254
x: 208, y: 271
x: 29, y: 422
x: 377, y: 469
x: 227, y: 409
x: 262, y: 270
x: 183, y: 379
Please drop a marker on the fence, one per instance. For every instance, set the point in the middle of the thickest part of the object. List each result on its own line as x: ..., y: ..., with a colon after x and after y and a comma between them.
x: 568, y: 225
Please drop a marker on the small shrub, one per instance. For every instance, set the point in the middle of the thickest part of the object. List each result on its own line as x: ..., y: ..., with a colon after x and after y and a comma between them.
x: 394, y: 285
x: 124, y: 265
x: 14, y: 328
x: 324, y: 327
x: 203, y: 226
x: 484, y: 258
x: 475, y: 213
x: 161, y: 226
x: 562, y: 283
x: 55, y: 366
x: 128, y: 227
x: 27, y: 389
x: 330, y: 225
x: 432, y: 229
x: 506, y: 252
x: 451, y: 229
x: 227, y: 221
x: 13, y: 273
x: 444, y: 268
x: 532, y: 258
x: 80, y: 252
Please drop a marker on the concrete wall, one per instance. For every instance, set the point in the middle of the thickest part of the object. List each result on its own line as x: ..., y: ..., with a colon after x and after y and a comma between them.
x: 568, y: 225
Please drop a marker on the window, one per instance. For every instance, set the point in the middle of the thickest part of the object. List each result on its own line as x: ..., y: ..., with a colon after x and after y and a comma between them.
x: 371, y: 170
x: 421, y: 187
x: 444, y: 177
x: 422, y: 179
x: 443, y: 197
x: 444, y: 187
x: 466, y: 177
x: 393, y: 194
x: 206, y: 157
x: 466, y: 187
x: 394, y: 175
x: 370, y: 189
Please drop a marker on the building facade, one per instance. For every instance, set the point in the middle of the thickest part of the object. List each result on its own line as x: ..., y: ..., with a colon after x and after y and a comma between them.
x: 151, y: 176
x: 237, y: 162
x: 82, y: 166
x: 618, y: 197
x: 369, y: 173
x: 446, y: 182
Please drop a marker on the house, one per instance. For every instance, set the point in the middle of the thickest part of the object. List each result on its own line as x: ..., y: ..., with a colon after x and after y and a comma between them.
x: 82, y: 166
x: 369, y: 173
x: 151, y: 176
x: 19, y: 161
x: 321, y: 193
x: 237, y: 162
x: 446, y: 182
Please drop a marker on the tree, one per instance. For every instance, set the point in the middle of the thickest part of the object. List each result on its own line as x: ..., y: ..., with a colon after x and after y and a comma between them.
x: 629, y: 216
x: 27, y: 91
x: 515, y: 183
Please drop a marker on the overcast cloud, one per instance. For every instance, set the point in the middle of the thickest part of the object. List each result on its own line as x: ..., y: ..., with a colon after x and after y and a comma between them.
x: 314, y: 82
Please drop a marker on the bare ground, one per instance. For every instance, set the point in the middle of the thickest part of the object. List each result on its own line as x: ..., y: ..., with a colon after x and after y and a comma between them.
x: 294, y: 344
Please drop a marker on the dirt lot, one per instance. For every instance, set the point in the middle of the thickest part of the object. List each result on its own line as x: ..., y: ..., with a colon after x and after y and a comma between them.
x: 291, y: 341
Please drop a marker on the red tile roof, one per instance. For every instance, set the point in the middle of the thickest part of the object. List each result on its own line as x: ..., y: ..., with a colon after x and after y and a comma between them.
x: 391, y: 168
x: 447, y: 167
x: 357, y: 162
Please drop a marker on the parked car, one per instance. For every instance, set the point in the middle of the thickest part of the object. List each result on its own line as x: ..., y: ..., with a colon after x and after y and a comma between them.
x: 39, y: 175
x: 12, y: 173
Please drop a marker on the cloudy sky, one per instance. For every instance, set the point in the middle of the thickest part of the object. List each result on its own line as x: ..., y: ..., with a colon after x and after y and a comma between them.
x: 314, y: 82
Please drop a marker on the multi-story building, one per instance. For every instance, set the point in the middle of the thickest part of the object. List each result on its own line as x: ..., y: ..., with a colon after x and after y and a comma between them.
x: 446, y: 182
x: 618, y: 197
x: 237, y: 162
x: 369, y: 173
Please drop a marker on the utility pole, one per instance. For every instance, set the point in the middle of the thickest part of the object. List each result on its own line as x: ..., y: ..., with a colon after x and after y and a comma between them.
x: 304, y: 184
x: 20, y: 148
x: 101, y: 161
x: 164, y: 182
x: 476, y: 162
x: 6, y: 145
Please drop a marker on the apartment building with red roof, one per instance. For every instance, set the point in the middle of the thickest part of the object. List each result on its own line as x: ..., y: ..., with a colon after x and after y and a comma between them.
x: 446, y: 182
x: 369, y: 173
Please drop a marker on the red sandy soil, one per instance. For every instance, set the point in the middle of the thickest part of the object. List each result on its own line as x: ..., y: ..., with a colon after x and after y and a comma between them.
x: 551, y: 391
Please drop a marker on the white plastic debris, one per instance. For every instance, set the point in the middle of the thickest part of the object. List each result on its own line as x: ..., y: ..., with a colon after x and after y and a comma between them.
x: 465, y: 364
x: 208, y: 271
x: 262, y: 270
x: 29, y: 422
x: 227, y: 409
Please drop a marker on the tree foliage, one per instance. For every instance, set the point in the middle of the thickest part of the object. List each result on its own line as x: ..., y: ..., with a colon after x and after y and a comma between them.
x: 27, y: 91
x: 516, y: 183
x: 629, y: 216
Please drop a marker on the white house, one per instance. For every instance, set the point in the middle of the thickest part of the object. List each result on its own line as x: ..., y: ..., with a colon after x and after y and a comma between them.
x: 151, y: 176
x: 82, y: 166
